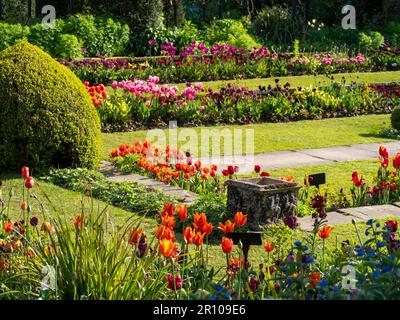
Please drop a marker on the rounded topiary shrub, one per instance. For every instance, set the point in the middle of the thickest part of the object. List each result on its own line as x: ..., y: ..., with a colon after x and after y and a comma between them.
x: 46, y: 115
x: 395, y: 118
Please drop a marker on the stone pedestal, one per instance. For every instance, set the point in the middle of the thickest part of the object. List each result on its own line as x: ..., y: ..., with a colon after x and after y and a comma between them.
x: 266, y: 200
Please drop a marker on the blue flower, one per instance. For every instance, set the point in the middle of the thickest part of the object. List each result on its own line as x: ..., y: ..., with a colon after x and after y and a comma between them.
x: 381, y: 244
x: 284, y: 269
x: 290, y: 252
x: 309, y: 260
x: 367, y: 233
x: 376, y: 273
x: 219, y: 288
x: 227, y: 296
x: 360, y: 252
x: 378, y: 225
x: 369, y: 222
x: 297, y: 243
x: 386, y: 268
x: 323, y: 283
x: 305, y: 248
x: 336, y: 289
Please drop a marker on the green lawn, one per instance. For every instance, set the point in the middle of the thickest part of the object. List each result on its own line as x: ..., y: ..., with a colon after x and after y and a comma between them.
x: 67, y: 202
x: 319, y: 80
x: 277, y: 136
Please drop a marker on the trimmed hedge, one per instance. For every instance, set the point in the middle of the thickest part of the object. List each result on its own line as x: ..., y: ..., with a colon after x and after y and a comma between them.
x: 46, y: 115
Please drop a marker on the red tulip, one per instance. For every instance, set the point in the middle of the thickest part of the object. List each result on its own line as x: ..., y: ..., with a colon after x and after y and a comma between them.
x: 396, y: 161
x: 356, y: 181
x: 29, y: 182
x: 25, y: 172
x: 257, y: 168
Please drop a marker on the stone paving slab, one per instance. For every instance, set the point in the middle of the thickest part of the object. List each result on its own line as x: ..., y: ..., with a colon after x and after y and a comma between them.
x: 340, y: 154
x: 373, y: 212
x: 334, y: 218
x: 359, y: 214
x: 392, y: 147
x: 304, y: 157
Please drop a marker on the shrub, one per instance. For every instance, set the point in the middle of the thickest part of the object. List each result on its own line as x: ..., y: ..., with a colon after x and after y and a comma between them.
x: 371, y: 39
x: 229, y: 31
x: 274, y: 25
x: 68, y: 47
x: 100, y: 35
x: 10, y: 34
x: 395, y: 118
x: 46, y: 38
x: 46, y: 115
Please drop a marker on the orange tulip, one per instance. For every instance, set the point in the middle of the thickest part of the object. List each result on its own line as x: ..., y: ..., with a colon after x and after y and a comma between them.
x: 167, y: 248
x: 168, y: 222
x: 198, y: 239
x: 24, y: 205
x: 162, y: 232
x: 208, y: 228
x: 8, y: 226
x: 227, y: 245
x: 77, y: 221
x: 240, y: 219
x: 325, y: 232
x: 189, y: 235
x: 268, y: 246
x: 200, y: 220
x: 182, y: 211
x: 169, y: 209
x: 228, y: 227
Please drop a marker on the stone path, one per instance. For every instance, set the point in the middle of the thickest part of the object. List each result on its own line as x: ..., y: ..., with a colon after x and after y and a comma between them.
x: 304, y: 157
x: 359, y: 214
x: 179, y: 194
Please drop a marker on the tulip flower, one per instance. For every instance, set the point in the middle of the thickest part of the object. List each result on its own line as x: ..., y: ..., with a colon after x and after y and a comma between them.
x: 34, y: 221
x: 228, y: 227
x: 240, y: 219
x: 29, y: 182
x: 315, y: 278
x: 268, y: 246
x: 226, y: 245
x: 396, y: 161
x: 200, y: 220
x: 392, y: 225
x: 188, y: 235
x: 207, y: 228
x: 167, y: 248
x: 169, y: 209
x: 135, y: 235
x: 356, y: 181
x: 24, y: 205
x: 8, y: 227
x: 325, y: 231
x: 198, y: 239
x: 168, y: 222
x: 25, y: 172
x: 163, y: 232
x: 174, y: 284
x: 182, y: 211
x: 77, y: 221
x: 257, y: 168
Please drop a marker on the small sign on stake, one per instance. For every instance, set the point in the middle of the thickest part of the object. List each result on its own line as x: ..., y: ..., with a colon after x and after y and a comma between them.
x: 316, y: 179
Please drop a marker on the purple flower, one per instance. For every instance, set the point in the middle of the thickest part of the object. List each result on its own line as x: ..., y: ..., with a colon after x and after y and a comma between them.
x: 291, y: 222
